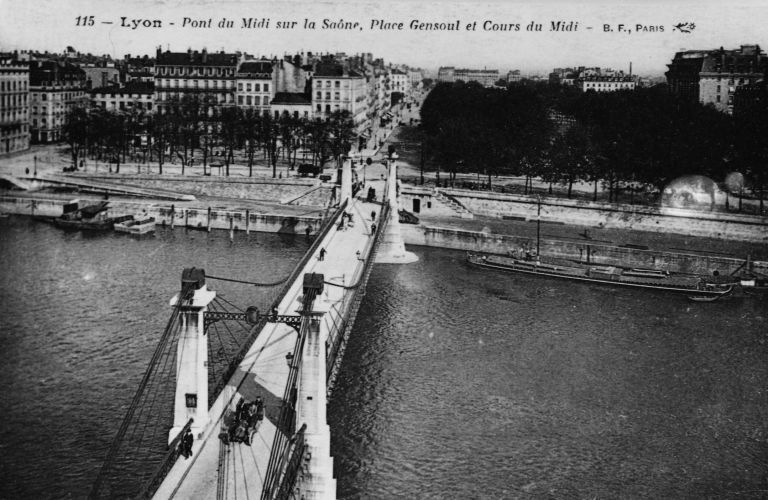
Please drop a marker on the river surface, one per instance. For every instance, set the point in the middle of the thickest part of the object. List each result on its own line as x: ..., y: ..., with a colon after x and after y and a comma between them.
x: 80, y: 316
x: 461, y: 383
x: 456, y: 383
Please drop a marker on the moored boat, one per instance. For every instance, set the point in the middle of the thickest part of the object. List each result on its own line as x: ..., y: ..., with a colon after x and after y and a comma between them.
x: 695, y: 286
x: 136, y: 226
x: 89, y: 217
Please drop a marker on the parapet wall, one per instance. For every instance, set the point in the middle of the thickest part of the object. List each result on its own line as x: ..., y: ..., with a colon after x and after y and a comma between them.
x: 198, y: 218
x: 251, y: 188
x: 593, y: 253
x: 589, y: 214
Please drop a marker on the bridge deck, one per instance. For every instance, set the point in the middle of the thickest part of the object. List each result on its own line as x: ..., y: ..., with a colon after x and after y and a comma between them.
x: 216, y: 470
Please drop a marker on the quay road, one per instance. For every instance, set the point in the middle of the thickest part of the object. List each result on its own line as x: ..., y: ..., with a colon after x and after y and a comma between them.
x: 218, y: 470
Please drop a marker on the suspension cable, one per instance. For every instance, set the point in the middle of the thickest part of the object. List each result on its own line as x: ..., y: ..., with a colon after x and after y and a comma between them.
x: 254, y: 283
x: 118, y: 439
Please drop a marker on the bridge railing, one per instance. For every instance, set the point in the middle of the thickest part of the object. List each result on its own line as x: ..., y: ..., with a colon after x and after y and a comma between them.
x: 174, y: 450
x: 359, y: 281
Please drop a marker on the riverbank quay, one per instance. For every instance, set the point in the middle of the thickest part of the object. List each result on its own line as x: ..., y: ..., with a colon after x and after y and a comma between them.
x: 705, y: 223
x: 207, y: 213
x: 616, y: 247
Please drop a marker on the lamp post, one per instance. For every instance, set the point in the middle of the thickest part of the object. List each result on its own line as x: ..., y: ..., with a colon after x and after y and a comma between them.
x: 35, y: 166
x: 538, y: 225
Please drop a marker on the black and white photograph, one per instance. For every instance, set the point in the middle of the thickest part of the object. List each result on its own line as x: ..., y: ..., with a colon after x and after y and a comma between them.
x: 383, y: 250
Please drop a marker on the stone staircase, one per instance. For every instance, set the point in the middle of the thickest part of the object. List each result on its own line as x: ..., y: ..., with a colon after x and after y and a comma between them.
x: 453, y: 204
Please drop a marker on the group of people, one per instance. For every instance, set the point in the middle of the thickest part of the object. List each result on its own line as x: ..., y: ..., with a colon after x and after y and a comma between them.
x: 247, y: 418
x: 346, y: 221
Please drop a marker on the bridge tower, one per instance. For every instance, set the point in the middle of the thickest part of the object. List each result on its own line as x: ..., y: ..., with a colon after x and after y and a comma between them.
x: 392, y: 249
x: 191, y: 401
x: 317, y: 482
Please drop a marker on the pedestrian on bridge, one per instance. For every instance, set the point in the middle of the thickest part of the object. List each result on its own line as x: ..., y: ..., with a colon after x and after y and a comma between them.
x: 186, y: 443
x: 322, y: 254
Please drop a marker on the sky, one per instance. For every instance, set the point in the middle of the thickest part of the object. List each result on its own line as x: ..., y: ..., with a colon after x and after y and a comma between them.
x: 480, y: 41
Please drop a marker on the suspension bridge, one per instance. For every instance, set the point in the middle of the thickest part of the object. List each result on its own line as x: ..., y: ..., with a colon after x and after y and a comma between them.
x: 213, y: 355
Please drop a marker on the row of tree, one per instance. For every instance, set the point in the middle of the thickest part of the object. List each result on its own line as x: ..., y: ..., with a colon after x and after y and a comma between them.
x: 190, y: 129
x: 645, y: 137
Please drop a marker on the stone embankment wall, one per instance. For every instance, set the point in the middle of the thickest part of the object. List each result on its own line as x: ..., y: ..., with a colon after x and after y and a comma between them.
x: 198, y: 218
x: 585, y: 252
x: 588, y: 214
x: 257, y: 189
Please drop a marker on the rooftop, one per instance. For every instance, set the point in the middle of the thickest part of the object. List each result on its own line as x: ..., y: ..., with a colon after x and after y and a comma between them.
x: 195, y: 58
x: 291, y: 98
x: 255, y: 67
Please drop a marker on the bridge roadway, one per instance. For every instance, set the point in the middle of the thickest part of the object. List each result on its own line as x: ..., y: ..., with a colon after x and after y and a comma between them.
x: 216, y: 470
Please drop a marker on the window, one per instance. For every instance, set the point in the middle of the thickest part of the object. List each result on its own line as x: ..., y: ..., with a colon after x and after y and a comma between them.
x: 319, y: 95
x: 336, y: 96
x: 328, y: 83
x: 256, y: 87
x: 257, y: 100
x: 266, y: 87
x: 328, y: 95
x: 718, y: 98
x: 240, y: 100
x: 327, y: 108
x: 336, y: 84
x: 247, y: 87
x: 718, y: 90
x: 240, y: 87
x: 319, y: 108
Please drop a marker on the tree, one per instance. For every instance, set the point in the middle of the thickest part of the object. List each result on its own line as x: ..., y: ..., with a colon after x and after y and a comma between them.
x: 270, y: 137
x: 160, y: 132
x: 340, y: 133
x: 251, y: 131
x: 230, y: 132
x: 76, y: 131
x: 572, y: 157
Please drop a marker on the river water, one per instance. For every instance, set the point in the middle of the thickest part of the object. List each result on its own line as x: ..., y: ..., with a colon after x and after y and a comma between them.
x: 456, y: 383
x: 462, y: 383
x: 80, y: 316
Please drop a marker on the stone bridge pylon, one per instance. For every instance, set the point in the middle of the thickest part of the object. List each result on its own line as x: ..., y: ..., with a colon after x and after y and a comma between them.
x: 392, y: 249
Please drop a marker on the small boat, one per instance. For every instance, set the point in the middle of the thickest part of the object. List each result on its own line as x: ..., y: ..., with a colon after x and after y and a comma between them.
x: 89, y: 217
x: 720, y: 293
x: 696, y: 286
x: 136, y: 226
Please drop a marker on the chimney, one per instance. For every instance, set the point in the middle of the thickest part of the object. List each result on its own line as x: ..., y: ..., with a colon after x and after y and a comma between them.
x: 630, y: 68
x: 205, y: 55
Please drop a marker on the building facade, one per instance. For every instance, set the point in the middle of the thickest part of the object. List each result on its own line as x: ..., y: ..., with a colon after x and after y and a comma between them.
x: 135, y: 95
x: 55, y: 88
x: 399, y: 81
x: 337, y: 89
x: 606, y: 83
x: 14, y: 105
x: 298, y: 105
x: 255, y: 87
x: 714, y: 76
x: 485, y: 77
x: 209, y: 76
